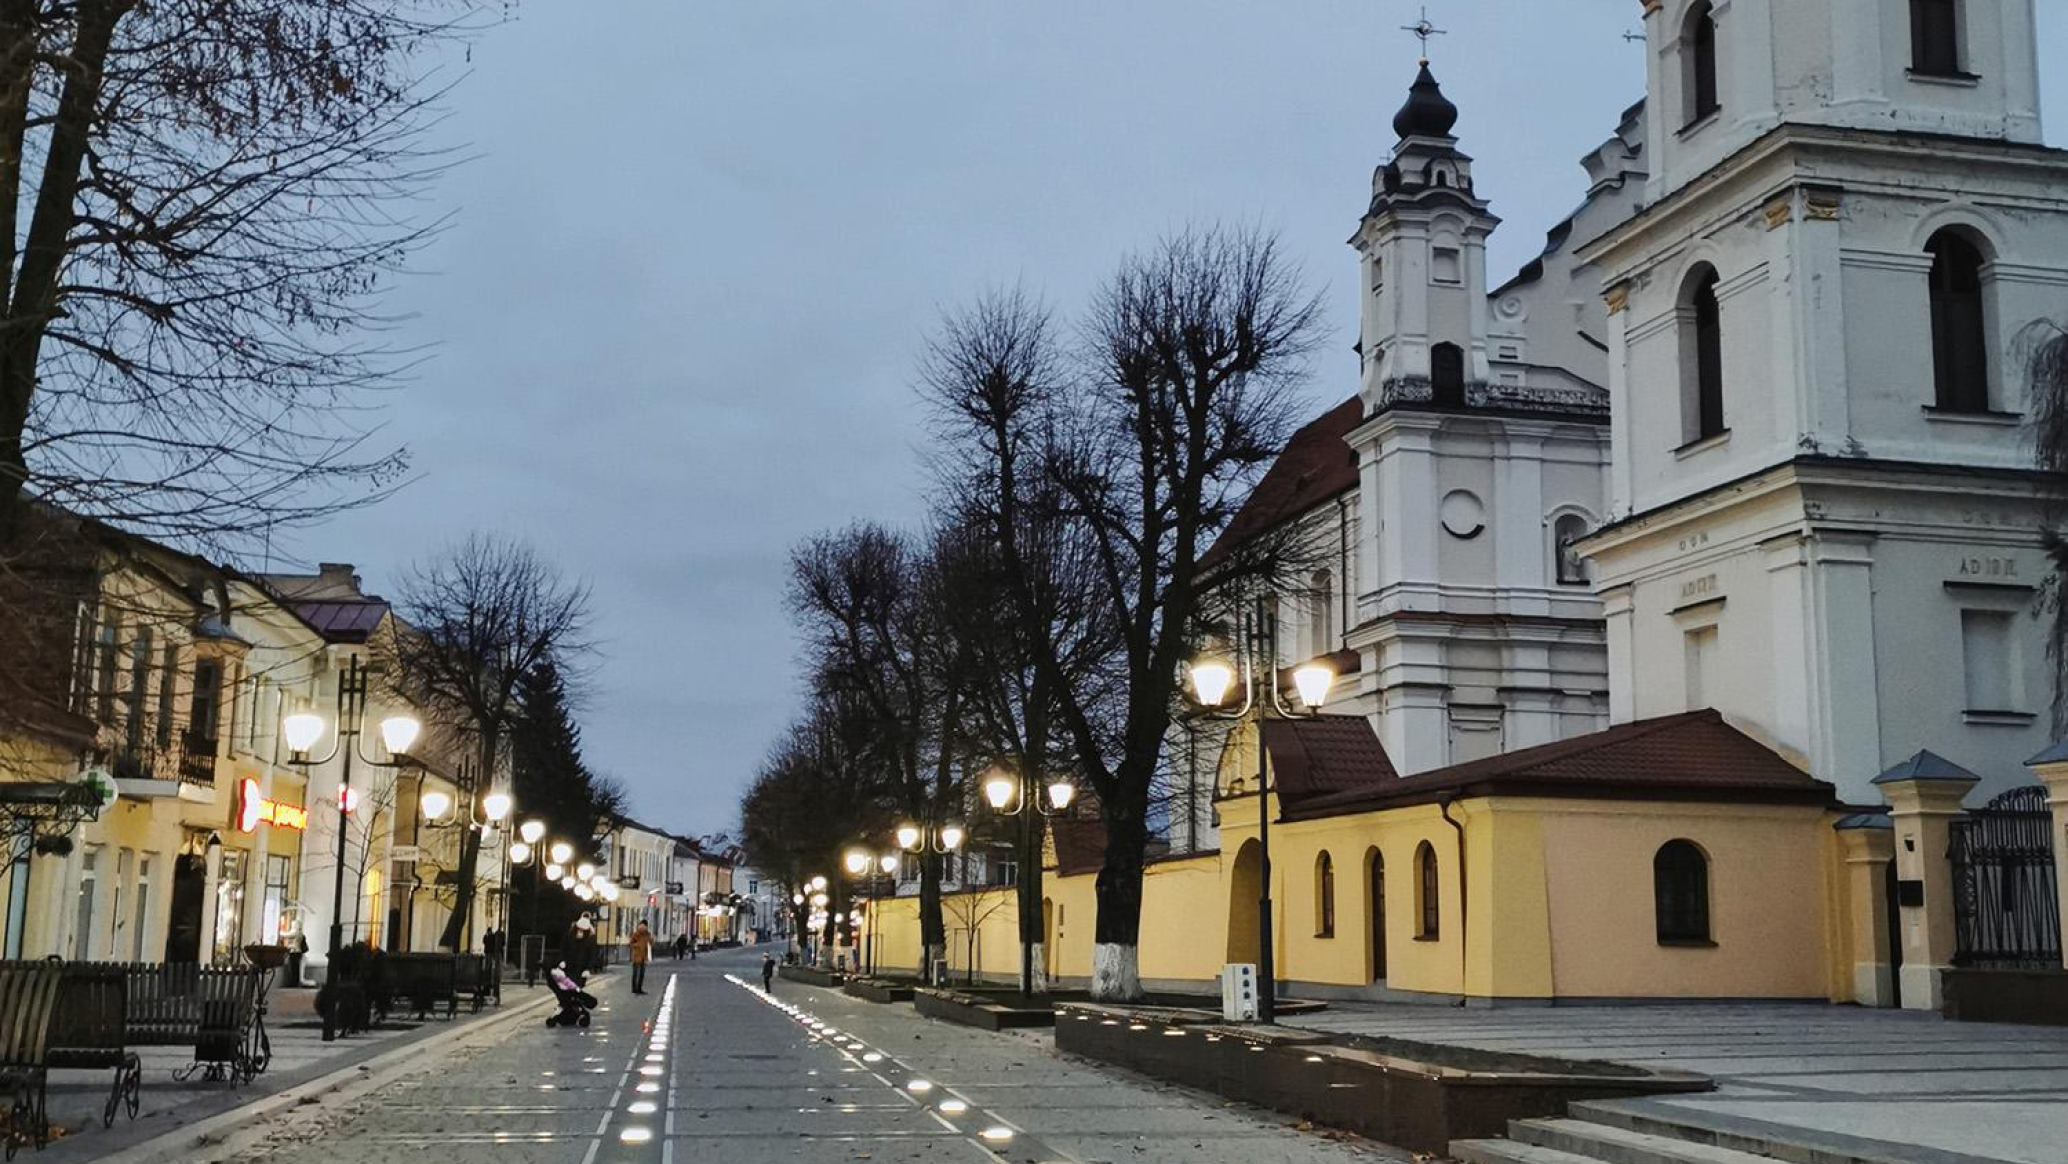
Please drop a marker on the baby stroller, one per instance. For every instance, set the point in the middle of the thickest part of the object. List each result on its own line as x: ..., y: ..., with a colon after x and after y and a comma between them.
x: 575, y: 1003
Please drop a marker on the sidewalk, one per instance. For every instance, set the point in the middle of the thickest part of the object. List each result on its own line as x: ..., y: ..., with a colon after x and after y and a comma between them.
x: 300, y: 1055
x: 1990, y: 1090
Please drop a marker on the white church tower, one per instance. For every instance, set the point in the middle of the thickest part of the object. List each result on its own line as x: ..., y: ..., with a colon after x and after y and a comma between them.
x: 1824, y: 519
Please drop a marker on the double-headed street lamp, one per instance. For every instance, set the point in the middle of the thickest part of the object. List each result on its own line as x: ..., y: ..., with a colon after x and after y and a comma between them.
x: 1012, y: 794
x: 862, y: 863
x: 302, y: 730
x: 1255, y: 667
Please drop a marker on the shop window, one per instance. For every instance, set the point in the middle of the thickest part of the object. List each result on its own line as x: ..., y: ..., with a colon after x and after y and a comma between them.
x: 1935, y: 37
x: 1960, y: 345
x: 1324, y: 896
x: 1698, y: 60
x: 1428, y: 911
x: 1680, y: 892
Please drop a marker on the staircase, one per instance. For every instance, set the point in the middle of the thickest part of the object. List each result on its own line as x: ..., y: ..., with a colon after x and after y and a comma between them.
x: 1635, y: 1132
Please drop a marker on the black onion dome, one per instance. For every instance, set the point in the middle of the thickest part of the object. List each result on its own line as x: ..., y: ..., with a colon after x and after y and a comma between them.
x: 1428, y: 113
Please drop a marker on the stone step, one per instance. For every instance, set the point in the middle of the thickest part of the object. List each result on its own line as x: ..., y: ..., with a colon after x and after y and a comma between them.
x: 1756, y: 1138
x: 1608, y: 1144
x: 1511, y: 1152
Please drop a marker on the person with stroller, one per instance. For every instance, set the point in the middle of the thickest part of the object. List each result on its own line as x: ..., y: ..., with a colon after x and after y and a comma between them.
x: 581, y: 946
x: 575, y: 1002
x: 642, y: 949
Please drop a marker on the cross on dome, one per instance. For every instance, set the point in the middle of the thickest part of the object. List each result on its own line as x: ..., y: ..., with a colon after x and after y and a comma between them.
x: 1422, y: 30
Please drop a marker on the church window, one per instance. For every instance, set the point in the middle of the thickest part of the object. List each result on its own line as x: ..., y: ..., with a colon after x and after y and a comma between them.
x: 1698, y: 60
x: 1378, y: 275
x: 1572, y: 569
x: 1935, y: 37
x: 1324, y: 896
x: 1680, y: 892
x: 1321, y: 621
x: 1699, y: 662
x: 1701, y: 358
x: 1988, y: 654
x: 1447, y: 374
x: 1960, y: 349
x: 1445, y: 266
x: 1427, y: 912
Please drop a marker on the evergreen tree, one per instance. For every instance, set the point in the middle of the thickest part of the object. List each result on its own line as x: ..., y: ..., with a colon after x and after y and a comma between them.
x: 552, y: 783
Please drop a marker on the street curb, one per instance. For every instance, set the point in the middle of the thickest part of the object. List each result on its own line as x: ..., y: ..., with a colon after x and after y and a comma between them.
x: 216, y: 1133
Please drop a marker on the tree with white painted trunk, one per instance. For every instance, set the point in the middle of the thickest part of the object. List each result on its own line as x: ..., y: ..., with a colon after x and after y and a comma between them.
x: 1132, y: 450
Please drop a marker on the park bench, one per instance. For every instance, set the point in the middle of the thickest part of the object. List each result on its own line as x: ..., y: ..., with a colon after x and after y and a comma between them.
x: 28, y: 998
x: 87, y: 1032
x: 161, y: 1009
x: 424, y: 981
x: 478, y: 976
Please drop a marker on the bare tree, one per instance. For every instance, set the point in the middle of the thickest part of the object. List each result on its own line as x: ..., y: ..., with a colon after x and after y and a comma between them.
x: 1139, y: 451
x: 872, y: 637
x: 2049, y: 383
x: 479, y: 619
x: 201, y: 202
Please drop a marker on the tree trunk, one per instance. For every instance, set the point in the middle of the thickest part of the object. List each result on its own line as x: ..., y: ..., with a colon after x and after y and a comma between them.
x: 933, y: 930
x: 1115, y: 964
x: 456, y: 937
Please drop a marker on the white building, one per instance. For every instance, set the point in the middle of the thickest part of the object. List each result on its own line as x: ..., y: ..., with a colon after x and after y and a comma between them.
x: 1826, y: 523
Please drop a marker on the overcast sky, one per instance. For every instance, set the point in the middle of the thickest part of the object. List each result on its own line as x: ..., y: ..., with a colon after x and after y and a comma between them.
x: 699, y: 243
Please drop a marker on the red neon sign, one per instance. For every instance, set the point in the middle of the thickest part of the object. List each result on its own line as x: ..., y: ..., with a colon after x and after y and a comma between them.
x: 254, y: 810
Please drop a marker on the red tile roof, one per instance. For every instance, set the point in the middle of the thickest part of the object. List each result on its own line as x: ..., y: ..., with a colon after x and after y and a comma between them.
x: 1325, y: 755
x: 1317, y: 466
x: 1080, y: 845
x: 1692, y: 756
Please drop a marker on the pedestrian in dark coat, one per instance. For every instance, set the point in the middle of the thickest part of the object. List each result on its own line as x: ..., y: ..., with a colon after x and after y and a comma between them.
x: 768, y: 967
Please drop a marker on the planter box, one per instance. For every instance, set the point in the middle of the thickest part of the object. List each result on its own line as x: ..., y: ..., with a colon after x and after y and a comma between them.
x: 1400, y: 1100
x: 810, y: 975
x: 878, y: 990
x: 979, y: 1012
x: 2007, y: 996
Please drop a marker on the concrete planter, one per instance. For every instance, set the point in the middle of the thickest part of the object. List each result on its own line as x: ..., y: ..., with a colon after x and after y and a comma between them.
x: 973, y: 1011
x: 878, y: 990
x: 1421, y: 1106
x: 2007, y: 996
x: 810, y: 975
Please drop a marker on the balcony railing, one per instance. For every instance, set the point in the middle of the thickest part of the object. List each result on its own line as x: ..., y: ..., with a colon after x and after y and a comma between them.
x: 197, y: 760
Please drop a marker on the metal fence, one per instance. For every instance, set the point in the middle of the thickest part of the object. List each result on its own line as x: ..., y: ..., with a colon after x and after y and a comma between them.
x: 2005, y: 909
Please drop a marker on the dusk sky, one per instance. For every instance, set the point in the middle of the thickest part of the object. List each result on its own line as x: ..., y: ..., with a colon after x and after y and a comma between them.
x: 699, y: 243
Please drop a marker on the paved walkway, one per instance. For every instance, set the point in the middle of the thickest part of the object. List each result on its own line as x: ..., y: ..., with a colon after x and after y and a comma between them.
x: 299, y: 1054
x: 706, y: 1068
x: 1989, y: 1090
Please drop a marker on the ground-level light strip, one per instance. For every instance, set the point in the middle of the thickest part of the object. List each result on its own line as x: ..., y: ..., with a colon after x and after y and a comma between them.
x: 985, y: 1130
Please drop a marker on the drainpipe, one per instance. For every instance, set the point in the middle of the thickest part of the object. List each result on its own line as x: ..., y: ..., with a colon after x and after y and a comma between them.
x: 1343, y: 566
x: 1464, y: 918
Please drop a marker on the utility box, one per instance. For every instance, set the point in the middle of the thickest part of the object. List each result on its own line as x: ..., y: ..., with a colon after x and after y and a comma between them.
x: 1239, y: 992
x: 940, y: 972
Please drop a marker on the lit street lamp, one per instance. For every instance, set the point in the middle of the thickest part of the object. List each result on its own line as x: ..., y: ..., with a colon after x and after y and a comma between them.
x: 1256, y: 669
x: 302, y: 730
x: 1010, y: 794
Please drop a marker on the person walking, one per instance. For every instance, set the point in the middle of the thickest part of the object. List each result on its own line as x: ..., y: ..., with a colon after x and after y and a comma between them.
x: 768, y: 967
x: 642, y: 949
x: 681, y: 946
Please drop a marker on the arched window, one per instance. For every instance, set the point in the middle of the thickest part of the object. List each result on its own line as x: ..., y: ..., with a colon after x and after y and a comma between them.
x: 1447, y: 374
x: 1321, y: 614
x: 1680, y: 892
x: 1429, y: 916
x: 1701, y: 390
x: 1698, y: 60
x: 1572, y: 569
x: 1935, y: 37
x: 1960, y: 348
x: 1324, y: 896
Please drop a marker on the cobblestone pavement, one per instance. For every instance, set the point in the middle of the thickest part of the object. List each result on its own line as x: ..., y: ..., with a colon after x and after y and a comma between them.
x: 706, y: 1068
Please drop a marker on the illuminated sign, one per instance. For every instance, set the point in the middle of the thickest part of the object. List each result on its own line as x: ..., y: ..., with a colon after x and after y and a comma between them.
x: 254, y: 810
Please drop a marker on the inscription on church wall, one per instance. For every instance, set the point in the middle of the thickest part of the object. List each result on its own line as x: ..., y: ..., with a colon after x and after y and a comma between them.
x: 1697, y: 589
x: 1693, y: 542
x: 1982, y: 567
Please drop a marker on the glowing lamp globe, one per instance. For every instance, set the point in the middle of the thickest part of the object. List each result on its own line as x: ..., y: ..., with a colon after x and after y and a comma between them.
x: 998, y: 790
x: 857, y: 860
x: 1061, y: 793
x: 1313, y: 681
x: 584, y: 871
x: 908, y: 837
x: 555, y: 871
x: 888, y: 863
x: 495, y: 806
x: 302, y: 730
x: 435, y: 802
x: 951, y: 837
x: 520, y: 853
x: 1211, y: 680
x: 531, y: 832
x: 560, y: 852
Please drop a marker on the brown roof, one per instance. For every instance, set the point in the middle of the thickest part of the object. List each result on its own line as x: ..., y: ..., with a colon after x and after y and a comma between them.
x: 1325, y: 755
x: 1317, y: 465
x: 343, y: 622
x: 1080, y: 844
x: 1691, y: 756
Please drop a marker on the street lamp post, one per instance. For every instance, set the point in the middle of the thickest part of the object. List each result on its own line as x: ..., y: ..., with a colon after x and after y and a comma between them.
x: 1011, y: 794
x: 1256, y: 667
x: 302, y: 730
x: 941, y: 839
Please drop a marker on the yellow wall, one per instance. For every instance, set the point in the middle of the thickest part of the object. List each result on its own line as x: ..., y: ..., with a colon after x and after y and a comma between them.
x: 1560, y: 905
